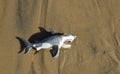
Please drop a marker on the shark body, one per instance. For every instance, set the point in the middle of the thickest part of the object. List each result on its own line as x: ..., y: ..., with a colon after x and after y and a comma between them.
x: 53, y: 43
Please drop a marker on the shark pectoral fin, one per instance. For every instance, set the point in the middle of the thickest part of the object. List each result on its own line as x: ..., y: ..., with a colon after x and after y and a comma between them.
x: 55, y: 51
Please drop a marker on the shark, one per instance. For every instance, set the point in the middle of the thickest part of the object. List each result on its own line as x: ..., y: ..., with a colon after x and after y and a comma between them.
x: 54, y: 43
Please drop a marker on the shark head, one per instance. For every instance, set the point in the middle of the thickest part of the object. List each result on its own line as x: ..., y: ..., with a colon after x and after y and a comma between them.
x: 67, y: 40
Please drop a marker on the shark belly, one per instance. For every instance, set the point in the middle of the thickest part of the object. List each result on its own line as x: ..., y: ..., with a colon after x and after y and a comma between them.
x: 40, y: 46
x: 46, y: 45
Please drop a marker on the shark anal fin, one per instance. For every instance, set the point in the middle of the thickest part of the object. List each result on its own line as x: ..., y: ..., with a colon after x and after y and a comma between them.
x: 36, y: 52
x: 55, y: 51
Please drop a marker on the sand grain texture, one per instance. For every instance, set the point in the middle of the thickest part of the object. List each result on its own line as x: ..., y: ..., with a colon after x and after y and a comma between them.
x: 95, y: 22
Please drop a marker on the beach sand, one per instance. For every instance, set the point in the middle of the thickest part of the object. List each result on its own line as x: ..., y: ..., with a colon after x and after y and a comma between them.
x: 95, y: 22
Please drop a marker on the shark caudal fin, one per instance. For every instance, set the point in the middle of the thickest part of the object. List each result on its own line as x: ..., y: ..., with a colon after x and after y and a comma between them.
x: 26, y: 44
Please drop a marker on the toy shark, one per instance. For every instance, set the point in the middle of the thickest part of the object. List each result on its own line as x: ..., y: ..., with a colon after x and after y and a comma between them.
x: 53, y: 43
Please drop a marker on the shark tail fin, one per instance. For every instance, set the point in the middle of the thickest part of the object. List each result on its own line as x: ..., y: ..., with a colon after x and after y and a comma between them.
x: 26, y: 44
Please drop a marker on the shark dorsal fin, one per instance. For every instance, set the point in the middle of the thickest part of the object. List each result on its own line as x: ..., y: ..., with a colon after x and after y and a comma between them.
x: 52, y: 31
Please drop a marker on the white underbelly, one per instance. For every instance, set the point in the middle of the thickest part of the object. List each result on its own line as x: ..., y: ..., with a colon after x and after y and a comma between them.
x: 46, y: 45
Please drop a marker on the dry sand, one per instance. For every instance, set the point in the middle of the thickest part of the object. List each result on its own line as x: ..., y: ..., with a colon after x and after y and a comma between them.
x: 95, y: 22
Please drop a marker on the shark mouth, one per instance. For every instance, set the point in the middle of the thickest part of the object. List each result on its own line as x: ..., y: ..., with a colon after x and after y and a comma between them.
x: 67, y: 41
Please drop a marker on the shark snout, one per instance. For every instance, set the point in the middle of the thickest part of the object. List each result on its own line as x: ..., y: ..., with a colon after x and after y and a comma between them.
x: 74, y: 36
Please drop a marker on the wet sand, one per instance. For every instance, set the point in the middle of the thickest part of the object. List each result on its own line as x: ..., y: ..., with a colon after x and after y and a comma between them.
x: 95, y: 22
